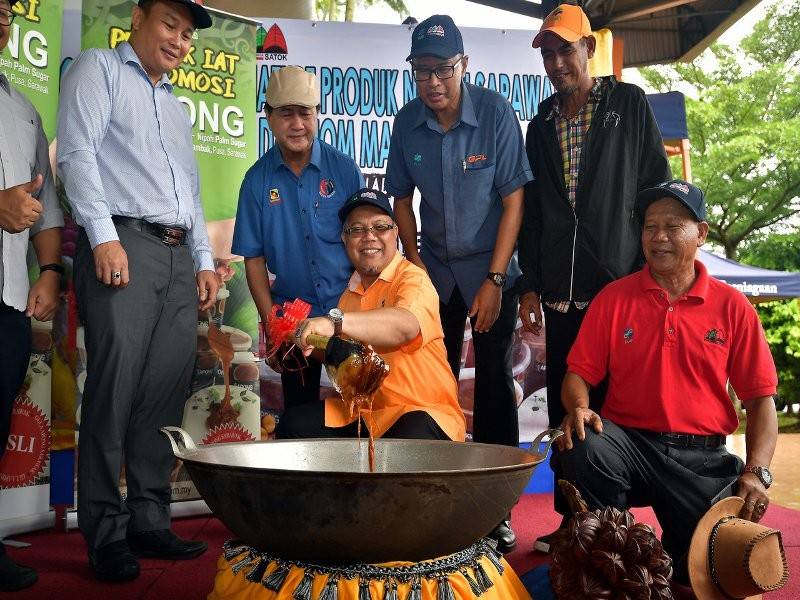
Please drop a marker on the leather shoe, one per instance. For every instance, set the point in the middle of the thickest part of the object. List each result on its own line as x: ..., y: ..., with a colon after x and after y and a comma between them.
x: 114, y: 562
x: 164, y: 544
x: 504, y: 536
x: 14, y: 577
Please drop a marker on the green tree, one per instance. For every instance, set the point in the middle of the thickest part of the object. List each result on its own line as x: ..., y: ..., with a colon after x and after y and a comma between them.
x: 331, y: 10
x: 743, y: 114
x: 781, y: 320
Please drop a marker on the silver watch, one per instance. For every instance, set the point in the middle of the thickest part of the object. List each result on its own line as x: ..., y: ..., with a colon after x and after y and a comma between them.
x: 336, y: 317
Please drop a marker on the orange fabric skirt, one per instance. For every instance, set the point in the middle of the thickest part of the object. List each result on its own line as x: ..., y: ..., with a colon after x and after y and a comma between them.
x: 471, y: 574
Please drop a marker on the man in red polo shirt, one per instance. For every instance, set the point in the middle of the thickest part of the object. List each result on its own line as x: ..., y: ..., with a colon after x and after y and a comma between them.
x: 669, y: 338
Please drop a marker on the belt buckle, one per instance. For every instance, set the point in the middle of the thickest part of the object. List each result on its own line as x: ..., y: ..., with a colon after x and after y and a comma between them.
x: 172, y: 236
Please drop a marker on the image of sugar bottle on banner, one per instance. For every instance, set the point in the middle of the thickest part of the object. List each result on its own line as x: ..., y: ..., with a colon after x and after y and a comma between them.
x: 216, y: 83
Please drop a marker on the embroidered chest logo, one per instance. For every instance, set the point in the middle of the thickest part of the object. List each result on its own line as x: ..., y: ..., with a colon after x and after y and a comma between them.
x: 418, y: 159
x: 274, y: 196
x: 715, y: 336
x: 327, y: 188
x: 611, y: 119
x: 473, y: 158
x: 627, y: 335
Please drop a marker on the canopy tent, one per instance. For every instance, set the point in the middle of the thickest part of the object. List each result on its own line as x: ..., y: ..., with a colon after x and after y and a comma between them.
x: 759, y: 285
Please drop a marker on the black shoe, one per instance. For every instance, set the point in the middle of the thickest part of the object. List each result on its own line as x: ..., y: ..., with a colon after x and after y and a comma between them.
x: 504, y: 536
x: 162, y: 543
x: 543, y: 542
x: 14, y: 577
x: 114, y: 562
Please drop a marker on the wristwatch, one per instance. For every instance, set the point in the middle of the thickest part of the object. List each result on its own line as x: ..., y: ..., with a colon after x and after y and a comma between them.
x: 762, y: 473
x: 499, y: 279
x: 52, y: 267
x: 336, y: 317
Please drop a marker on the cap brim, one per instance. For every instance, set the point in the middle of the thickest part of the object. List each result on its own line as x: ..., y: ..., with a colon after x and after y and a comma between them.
x: 436, y: 50
x: 200, y: 16
x: 646, y: 197
x: 294, y: 102
x: 702, y: 585
x: 565, y: 34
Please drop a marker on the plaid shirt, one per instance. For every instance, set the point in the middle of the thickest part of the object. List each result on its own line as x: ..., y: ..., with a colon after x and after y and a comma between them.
x: 572, y: 133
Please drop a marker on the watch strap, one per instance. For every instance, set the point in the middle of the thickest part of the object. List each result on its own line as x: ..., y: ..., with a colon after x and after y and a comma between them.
x: 58, y: 268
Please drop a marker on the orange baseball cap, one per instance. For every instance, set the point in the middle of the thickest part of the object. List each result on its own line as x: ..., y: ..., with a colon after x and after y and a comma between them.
x: 568, y: 22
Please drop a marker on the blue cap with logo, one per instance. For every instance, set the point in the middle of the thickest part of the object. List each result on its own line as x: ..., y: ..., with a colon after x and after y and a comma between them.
x: 200, y: 16
x: 366, y: 197
x: 436, y: 36
x: 690, y: 196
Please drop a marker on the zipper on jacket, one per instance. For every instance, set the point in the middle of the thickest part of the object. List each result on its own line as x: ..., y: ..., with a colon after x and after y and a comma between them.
x: 572, y: 264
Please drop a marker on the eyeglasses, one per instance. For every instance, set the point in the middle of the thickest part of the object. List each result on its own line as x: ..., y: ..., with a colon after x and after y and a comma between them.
x: 441, y: 71
x: 6, y: 16
x: 378, y: 229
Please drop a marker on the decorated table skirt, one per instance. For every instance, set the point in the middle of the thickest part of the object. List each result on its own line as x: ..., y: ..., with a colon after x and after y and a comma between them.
x: 477, y: 572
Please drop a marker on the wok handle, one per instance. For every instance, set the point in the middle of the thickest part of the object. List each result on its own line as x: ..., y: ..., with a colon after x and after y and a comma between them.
x: 551, y: 435
x: 180, y: 441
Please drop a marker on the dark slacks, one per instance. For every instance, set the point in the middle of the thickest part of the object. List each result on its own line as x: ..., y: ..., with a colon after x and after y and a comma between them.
x: 560, y: 333
x: 300, y: 387
x: 15, y: 353
x: 308, y: 421
x: 624, y: 467
x: 141, y: 343
x: 494, y: 416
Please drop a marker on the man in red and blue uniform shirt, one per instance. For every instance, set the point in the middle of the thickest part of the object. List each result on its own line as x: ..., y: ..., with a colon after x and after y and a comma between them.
x: 670, y: 338
x: 288, y: 215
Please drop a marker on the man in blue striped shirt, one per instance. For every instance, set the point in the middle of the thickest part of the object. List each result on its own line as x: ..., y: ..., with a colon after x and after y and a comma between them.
x: 125, y: 156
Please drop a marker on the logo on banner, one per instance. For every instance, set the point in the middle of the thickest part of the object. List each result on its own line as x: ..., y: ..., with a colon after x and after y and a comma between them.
x: 271, y: 45
x: 28, y: 445
x: 274, y: 196
x: 327, y: 188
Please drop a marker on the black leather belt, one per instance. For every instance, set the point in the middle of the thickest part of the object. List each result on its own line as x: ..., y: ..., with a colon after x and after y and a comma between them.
x: 687, y: 440
x: 171, y: 236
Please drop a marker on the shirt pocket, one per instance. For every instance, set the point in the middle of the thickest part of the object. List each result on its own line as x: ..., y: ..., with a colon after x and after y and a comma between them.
x: 477, y: 181
x: 326, y: 221
x: 27, y: 137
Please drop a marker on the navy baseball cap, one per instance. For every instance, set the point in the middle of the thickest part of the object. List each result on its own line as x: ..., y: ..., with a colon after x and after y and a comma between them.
x: 436, y: 36
x: 690, y: 196
x: 200, y: 16
x: 366, y: 197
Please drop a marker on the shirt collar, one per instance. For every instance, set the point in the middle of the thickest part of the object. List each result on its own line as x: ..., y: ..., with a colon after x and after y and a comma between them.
x: 388, y: 274
x: 5, y: 84
x: 468, y: 117
x: 594, y: 97
x: 699, y: 288
x: 316, y: 157
x: 128, y: 55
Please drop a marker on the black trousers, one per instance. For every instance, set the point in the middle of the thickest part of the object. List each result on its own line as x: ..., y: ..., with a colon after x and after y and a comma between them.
x: 308, y: 421
x: 560, y: 333
x: 625, y: 467
x: 141, y: 344
x: 300, y: 387
x: 15, y: 353
x: 494, y: 416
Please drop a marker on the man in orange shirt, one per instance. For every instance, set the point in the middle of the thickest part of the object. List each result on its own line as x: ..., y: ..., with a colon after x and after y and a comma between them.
x: 391, y: 305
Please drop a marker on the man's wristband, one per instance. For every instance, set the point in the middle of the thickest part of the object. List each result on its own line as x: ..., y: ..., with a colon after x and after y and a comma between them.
x: 52, y: 267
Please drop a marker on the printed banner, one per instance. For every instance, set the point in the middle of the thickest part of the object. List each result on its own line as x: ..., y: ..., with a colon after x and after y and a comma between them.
x: 31, y: 58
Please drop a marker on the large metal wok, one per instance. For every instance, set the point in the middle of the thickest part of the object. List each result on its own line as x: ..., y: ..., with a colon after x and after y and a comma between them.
x: 315, y: 500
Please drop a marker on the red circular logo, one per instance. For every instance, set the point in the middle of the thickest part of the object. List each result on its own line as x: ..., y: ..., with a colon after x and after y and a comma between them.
x: 28, y: 445
x: 228, y: 432
x: 326, y: 188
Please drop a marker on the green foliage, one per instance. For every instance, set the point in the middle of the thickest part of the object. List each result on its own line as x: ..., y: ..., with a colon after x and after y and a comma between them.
x: 743, y: 113
x: 331, y: 10
x: 781, y: 320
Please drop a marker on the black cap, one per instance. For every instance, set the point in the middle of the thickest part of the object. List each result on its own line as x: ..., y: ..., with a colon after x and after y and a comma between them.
x: 436, y: 36
x: 366, y: 197
x: 200, y: 16
x: 690, y: 196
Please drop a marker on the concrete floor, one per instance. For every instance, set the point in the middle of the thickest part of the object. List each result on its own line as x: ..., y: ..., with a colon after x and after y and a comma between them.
x: 786, y: 489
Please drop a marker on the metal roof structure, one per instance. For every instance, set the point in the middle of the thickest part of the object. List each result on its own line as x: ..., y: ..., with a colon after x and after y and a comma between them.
x: 655, y: 32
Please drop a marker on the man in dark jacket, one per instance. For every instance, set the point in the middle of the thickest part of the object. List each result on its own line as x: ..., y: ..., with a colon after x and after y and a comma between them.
x: 593, y: 146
